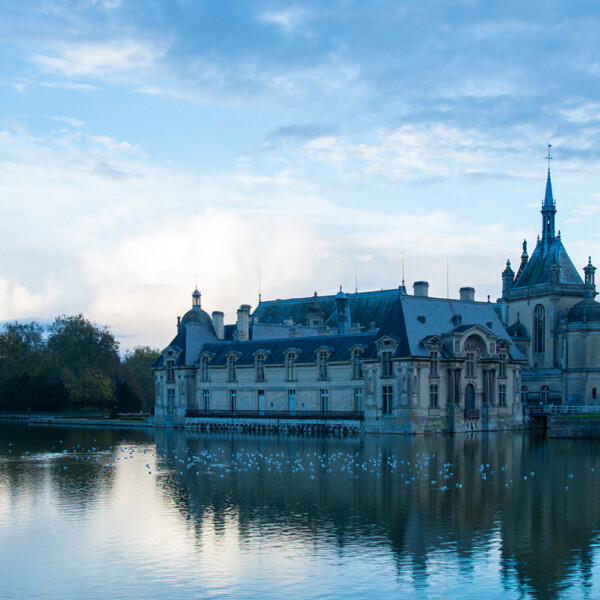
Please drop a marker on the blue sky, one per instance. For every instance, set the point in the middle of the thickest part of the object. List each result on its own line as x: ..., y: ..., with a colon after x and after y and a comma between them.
x: 146, y: 144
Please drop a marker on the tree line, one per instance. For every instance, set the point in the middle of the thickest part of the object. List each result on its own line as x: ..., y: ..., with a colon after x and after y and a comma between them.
x: 72, y: 364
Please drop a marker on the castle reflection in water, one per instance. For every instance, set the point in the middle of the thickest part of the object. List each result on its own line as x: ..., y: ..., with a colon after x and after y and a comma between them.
x: 535, y: 499
x: 522, y: 506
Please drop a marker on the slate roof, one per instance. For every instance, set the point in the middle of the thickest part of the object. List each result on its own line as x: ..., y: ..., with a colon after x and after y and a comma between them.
x: 409, y: 320
x: 306, y: 347
x: 425, y: 316
x: 537, y: 269
x: 365, y: 308
x: 189, y: 341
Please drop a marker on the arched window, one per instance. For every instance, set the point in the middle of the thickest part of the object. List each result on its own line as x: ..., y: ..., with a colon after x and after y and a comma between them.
x: 231, y: 374
x: 357, y: 371
x: 290, y: 366
x: 470, y: 397
x: 539, y: 328
x: 204, y: 368
x: 259, y: 365
x: 322, y: 370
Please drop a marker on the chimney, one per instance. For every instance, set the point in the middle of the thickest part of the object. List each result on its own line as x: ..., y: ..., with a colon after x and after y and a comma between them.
x: 243, y: 320
x: 467, y: 294
x: 218, y: 324
x: 421, y: 288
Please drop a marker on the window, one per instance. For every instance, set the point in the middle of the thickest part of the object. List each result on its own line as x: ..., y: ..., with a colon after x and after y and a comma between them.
x: 324, y: 400
x: 170, y: 401
x: 357, y: 370
x: 170, y: 371
x: 231, y: 374
x: 502, y: 394
x: 290, y: 366
x: 206, y: 399
x: 433, y: 396
x: 260, y: 367
x: 524, y: 394
x: 471, y: 365
x: 386, y: 399
x: 470, y: 397
x: 502, y: 366
x: 322, y: 370
x: 232, y: 400
x: 545, y: 394
x: 594, y: 393
x: 204, y: 368
x: 386, y: 364
x: 434, y: 363
x: 539, y: 328
x: 291, y: 400
x: 358, y: 399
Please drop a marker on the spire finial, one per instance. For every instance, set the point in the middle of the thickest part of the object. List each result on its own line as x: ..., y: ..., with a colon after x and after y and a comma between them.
x: 548, y: 157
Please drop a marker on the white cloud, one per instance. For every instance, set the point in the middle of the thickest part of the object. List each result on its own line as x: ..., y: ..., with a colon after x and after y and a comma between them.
x: 70, y: 121
x: 288, y: 20
x: 101, y: 60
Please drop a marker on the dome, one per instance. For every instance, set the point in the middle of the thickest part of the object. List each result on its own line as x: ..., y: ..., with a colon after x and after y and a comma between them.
x: 517, y: 330
x: 196, y: 315
x: 584, y: 311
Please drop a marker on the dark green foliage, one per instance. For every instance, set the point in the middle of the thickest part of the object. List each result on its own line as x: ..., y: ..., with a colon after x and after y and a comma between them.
x: 76, y: 367
x: 138, y: 362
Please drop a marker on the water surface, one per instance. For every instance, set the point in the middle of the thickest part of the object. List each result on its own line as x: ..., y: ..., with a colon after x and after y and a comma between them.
x: 95, y: 513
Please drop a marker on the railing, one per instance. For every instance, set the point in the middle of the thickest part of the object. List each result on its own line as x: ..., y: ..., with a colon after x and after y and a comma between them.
x: 548, y: 409
x: 471, y: 413
x: 277, y: 414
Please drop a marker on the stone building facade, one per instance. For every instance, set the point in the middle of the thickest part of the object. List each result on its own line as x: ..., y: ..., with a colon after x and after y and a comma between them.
x: 386, y: 360
x: 552, y: 317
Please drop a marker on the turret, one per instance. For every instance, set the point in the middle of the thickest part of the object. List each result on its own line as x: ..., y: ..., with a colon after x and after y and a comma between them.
x: 341, y: 305
x: 590, y: 279
x: 196, y: 299
x: 508, y: 279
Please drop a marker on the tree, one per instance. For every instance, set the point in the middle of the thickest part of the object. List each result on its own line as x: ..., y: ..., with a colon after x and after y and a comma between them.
x: 92, y: 388
x: 138, y: 361
x: 22, y: 376
x: 85, y: 356
x: 79, y: 344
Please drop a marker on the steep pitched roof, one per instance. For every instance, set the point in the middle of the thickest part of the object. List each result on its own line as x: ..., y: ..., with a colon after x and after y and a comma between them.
x: 365, y: 308
x: 537, y: 269
x: 424, y: 316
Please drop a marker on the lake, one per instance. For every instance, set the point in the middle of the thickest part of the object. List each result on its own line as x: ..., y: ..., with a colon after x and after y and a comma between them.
x: 135, y: 513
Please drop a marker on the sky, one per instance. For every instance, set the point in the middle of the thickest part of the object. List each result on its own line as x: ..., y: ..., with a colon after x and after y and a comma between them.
x: 289, y: 147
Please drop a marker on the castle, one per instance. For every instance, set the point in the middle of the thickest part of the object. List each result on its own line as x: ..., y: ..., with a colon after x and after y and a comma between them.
x: 552, y: 317
x: 389, y: 361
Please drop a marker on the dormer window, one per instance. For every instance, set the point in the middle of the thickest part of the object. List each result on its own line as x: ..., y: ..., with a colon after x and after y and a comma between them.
x: 356, y: 362
x: 231, y: 371
x: 204, y: 368
x: 259, y: 365
x: 290, y: 366
x: 322, y: 367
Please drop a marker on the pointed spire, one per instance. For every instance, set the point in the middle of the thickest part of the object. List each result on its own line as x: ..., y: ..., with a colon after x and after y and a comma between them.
x: 548, y: 207
x: 549, y: 198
